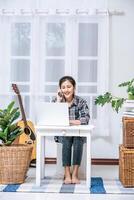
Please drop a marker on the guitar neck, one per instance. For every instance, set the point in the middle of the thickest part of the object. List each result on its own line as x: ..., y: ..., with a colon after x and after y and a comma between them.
x: 22, y: 110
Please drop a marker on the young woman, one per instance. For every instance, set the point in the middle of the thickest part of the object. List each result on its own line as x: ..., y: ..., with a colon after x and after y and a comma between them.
x: 78, y: 115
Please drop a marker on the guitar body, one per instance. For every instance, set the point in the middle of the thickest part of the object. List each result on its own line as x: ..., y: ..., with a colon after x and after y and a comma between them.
x: 28, y: 137
x: 25, y: 139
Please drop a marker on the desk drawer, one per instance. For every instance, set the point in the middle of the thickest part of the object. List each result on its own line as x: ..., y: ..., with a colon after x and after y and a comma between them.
x: 62, y: 132
x: 69, y: 133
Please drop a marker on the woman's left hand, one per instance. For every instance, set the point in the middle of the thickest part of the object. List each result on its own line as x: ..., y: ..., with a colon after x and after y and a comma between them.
x: 75, y: 122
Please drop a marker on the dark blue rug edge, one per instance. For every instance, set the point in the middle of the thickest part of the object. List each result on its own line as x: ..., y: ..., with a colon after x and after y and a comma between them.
x: 11, y: 188
x: 97, y: 187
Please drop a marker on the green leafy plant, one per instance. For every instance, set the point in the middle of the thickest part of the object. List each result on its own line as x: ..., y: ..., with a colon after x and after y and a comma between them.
x: 130, y: 88
x: 9, y: 130
x: 116, y: 102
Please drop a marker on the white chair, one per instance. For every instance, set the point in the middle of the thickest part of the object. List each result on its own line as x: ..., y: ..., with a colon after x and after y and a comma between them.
x: 60, y: 168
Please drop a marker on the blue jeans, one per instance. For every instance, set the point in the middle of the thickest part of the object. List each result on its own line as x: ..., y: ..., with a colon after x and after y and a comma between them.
x: 67, y: 143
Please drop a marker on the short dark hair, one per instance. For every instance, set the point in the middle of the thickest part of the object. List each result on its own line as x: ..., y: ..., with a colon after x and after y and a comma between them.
x: 67, y: 78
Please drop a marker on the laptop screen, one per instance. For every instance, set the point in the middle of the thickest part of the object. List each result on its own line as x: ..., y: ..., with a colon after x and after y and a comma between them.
x: 52, y: 114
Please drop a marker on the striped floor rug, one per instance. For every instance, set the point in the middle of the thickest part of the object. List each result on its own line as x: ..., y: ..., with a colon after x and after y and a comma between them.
x: 49, y: 185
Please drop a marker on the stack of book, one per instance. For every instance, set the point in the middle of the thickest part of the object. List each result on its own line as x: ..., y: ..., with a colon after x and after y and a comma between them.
x: 128, y: 108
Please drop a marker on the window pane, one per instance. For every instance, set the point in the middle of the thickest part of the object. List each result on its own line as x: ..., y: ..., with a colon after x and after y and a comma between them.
x: 15, y: 98
x: 22, y: 88
x: 26, y: 106
x: 54, y: 70
x: 44, y: 98
x: 87, y: 71
x: 4, y: 101
x: 51, y: 88
x: 20, y: 70
x: 20, y: 40
x: 87, y: 89
x: 94, y: 109
x: 88, y: 39
x: 55, y: 43
x: 47, y: 99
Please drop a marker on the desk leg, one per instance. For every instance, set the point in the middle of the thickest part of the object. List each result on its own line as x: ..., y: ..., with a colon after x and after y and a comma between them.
x: 88, y: 168
x: 42, y: 157
x: 38, y: 160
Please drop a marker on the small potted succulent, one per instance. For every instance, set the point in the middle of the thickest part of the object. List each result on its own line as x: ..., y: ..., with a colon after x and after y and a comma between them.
x: 116, y: 102
x: 14, y: 158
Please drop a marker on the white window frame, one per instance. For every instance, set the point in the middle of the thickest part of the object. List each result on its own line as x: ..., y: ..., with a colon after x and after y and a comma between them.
x: 71, y: 63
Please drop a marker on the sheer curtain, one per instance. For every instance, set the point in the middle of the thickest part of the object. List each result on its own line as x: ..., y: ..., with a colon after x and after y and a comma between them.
x: 4, y: 61
x: 38, y: 50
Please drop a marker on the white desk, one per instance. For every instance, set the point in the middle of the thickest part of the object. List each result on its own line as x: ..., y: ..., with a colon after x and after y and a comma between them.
x: 42, y: 131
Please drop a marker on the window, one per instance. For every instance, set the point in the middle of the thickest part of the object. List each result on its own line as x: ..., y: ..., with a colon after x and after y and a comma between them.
x: 43, y: 49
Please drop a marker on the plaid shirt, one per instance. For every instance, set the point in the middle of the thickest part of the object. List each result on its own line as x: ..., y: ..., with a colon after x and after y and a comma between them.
x: 77, y: 111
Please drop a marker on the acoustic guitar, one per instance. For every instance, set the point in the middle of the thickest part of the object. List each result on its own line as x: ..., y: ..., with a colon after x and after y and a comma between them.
x: 28, y: 137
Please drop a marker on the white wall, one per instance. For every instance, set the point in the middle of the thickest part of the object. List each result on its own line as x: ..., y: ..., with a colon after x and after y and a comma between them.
x: 52, y: 4
x: 121, y: 69
x: 121, y: 58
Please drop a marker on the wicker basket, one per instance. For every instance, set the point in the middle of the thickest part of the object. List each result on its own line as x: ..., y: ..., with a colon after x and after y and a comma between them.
x: 128, y: 132
x: 126, y: 166
x: 14, y: 163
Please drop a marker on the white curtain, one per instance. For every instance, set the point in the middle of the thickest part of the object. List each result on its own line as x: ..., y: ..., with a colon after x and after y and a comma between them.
x: 38, y: 50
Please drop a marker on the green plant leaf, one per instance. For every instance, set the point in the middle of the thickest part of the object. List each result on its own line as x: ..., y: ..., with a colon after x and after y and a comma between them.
x: 15, y: 116
x: 14, y: 111
x: 12, y: 127
x: 124, y: 84
x: 6, y: 132
x: 10, y: 106
x: 14, y: 134
x: 102, y: 99
x: 117, y: 103
x: 2, y: 136
x: 130, y: 86
x: 8, y: 143
x: 3, y: 122
x: 9, y: 131
x: 2, y: 113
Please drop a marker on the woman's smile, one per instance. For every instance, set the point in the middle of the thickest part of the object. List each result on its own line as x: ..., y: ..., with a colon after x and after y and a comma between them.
x: 68, y: 90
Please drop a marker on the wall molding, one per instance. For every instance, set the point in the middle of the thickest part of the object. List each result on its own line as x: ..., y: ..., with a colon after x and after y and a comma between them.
x: 59, y: 12
x: 105, y: 161
x: 95, y: 161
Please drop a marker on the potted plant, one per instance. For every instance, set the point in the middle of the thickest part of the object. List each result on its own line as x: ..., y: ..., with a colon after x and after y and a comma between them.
x: 116, y: 102
x: 14, y: 158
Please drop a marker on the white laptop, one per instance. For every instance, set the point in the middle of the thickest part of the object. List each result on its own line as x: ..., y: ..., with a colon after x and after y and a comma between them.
x: 52, y: 114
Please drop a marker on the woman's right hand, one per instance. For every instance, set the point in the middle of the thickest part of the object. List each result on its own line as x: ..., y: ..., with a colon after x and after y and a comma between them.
x: 75, y: 122
x: 60, y: 96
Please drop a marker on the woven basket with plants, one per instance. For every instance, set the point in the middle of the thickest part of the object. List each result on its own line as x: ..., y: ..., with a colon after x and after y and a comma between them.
x: 14, y: 158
